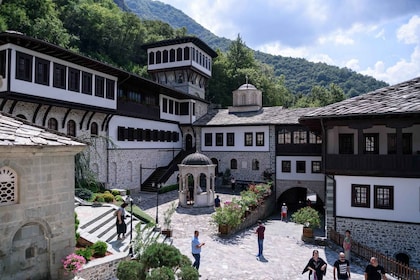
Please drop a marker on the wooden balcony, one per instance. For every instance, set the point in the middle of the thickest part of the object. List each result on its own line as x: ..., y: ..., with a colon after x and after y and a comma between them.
x: 373, y: 165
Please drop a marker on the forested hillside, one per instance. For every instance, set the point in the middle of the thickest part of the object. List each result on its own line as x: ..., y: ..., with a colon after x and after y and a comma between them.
x: 108, y: 31
x: 300, y: 74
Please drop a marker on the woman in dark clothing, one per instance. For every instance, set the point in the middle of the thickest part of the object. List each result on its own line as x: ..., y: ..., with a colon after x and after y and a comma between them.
x: 316, y: 265
x: 120, y: 223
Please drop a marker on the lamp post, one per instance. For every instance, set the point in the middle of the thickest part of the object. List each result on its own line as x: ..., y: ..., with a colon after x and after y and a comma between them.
x: 130, y: 252
x: 157, y: 205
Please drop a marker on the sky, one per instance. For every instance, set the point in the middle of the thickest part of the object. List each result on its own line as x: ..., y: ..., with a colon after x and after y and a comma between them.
x: 379, y: 38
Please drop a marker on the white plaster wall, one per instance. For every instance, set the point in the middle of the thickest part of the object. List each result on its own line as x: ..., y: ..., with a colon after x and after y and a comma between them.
x: 406, y: 199
x: 308, y: 175
x: 239, y: 132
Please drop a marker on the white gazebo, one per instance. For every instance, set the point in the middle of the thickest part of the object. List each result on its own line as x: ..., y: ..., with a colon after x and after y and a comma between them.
x: 196, y: 181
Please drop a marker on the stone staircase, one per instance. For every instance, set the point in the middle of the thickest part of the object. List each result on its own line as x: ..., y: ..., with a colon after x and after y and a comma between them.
x: 97, y: 223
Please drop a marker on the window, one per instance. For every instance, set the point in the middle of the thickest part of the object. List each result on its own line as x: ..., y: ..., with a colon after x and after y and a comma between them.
x: 165, y: 56
x: 284, y: 137
x: 110, y: 89
x: 286, y: 166
x: 42, y: 71
x: 94, y: 129
x: 248, y: 138
x: 299, y: 137
x: 219, y: 139
x: 172, y: 55
x: 230, y: 139
x: 259, y: 138
x: 8, y: 186
x: 233, y: 164
x: 316, y: 167
x: 87, y: 83
x: 360, y: 195
x: 255, y: 164
x: 23, y: 67
x: 300, y: 166
x: 53, y: 124
x: 151, y: 58
x: 384, y: 197
x: 171, y: 106
x: 59, y: 76
x: 71, y: 128
x: 314, y: 139
x: 99, y: 86
x: 74, y: 80
x: 121, y: 131
x: 179, y: 54
x: 186, y: 53
x: 371, y: 143
x: 158, y: 57
x: 208, y: 141
x: 164, y: 105
x: 345, y: 144
x: 407, y: 143
x: 3, y: 64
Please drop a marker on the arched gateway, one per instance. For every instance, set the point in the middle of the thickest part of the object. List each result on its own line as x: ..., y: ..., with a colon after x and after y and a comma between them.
x: 196, y: 181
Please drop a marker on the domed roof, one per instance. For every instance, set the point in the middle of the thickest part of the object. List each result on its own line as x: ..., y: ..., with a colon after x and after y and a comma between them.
x: 196, y: 159
x: 246, y: 86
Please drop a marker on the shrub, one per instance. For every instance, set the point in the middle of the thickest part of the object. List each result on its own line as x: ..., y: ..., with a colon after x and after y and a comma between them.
x: 307, y: 216
x: 230, y: 214
x: 73, y: 263
x: 99, y: 197
x: 85, y: 252
x: 188, y: 273
x: 76, y: 226
x: 119, y: 198
x: 129, y: 270
x: 84, y: 194
x: 108, y: 197
x: 161, y: 273
x: 99, y: 248
x: 161, y: 254
x: 115, y: 192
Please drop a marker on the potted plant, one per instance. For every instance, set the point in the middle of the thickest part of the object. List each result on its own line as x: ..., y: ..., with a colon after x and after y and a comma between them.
x: 229, y: 216
x: 309, y: 218
x: 167, y: 220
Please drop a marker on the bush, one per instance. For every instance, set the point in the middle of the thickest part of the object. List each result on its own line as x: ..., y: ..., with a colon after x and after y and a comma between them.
x: 99, y: 248
x: 161, y: 254
x: 307, y: 216
x: 119, y: 198
x: 115, y: 192
x: 108, y: 197
x: 161, y: 273
x: 85, y: 252
x: 188, y: 273
x: 84, y: 194
x: 129, y: 270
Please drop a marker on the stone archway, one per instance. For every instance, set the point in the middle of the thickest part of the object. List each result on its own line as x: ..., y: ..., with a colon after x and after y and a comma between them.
x: 296, y: 197
x: 30, y: 254
x: 402, y: 257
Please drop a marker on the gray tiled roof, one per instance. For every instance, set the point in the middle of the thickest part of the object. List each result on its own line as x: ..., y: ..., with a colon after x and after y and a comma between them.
x: 403, y: 98
x: 14, y: 132
x: 266, y: 116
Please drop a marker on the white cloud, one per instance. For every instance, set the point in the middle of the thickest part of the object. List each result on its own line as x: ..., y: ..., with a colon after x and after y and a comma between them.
x: 353, y: 64
x: 409, y: 33
x: 380, y: 34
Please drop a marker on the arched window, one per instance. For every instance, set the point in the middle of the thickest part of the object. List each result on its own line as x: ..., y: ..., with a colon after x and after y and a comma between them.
x: 71, y: 128
x: 151, y: 58
x: 186, y: 53
x: 53, y: 124
x: 172, y: 55
x: 165, y: 56
x: 233, y: 164
x: 94, y: 129
x: 8, y: 186
x: 158, y: 57
x: 255, y: 164
x: 179, y: 54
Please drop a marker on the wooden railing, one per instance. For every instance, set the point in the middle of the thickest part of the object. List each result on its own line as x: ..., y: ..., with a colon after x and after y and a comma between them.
x: 393, y: 267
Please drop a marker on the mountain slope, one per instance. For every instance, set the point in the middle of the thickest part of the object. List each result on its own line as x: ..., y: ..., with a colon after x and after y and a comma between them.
x: 300, y: 74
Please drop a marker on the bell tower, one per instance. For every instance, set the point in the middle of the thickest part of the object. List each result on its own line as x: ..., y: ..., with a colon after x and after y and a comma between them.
x: 183, y: 63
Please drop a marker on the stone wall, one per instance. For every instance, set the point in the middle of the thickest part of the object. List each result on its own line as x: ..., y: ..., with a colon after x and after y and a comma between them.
x: 102, y: 269
x: 388, y: 238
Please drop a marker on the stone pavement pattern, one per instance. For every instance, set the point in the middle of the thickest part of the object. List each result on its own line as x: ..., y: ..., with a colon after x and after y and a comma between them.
x: 234, y: 257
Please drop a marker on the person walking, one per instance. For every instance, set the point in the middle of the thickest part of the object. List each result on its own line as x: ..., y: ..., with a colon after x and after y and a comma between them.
x: 196, y: 249
x: 341, y: 268
x: 284, y: 212
x: 260, y: 234
x: 120, y: 223
x: 316, y: 266
x: 374, y: 271
x: 233, y: 184
x: 347, y: 245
